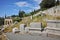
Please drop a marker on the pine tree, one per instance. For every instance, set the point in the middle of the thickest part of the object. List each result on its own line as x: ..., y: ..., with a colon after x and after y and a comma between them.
x: 45, y: 4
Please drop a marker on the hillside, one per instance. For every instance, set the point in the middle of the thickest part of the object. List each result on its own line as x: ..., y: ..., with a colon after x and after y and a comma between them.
x: 48, y: 14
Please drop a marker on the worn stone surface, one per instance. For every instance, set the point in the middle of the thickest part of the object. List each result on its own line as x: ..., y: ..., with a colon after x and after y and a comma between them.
x: 22, y: 27
x: 27, y: 29
x: 14, y: 30
x: 12, y: 36
x: 54, y: 11
x: 35, y: 25
x: 53, y: 23
x: 53, y: 27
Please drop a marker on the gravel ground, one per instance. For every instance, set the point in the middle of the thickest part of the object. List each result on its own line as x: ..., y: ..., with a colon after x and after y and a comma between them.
x: 12, y: 36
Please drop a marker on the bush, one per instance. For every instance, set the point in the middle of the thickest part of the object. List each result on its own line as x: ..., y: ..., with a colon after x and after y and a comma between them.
x: 17, y: 19
x: 58, y: 17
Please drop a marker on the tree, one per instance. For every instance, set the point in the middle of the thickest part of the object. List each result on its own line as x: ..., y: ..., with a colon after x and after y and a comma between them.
x: 14, y: 16
x: 57, y: 2
x: 5, y: 15
x: 45, y: 4
x: 21, y: 14
x: 27, y: 14
x: 16, y: 19
x: 1, y: 21
x: 33, y: 12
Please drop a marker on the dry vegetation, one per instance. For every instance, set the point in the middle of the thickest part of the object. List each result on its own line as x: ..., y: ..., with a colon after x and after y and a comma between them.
x: 27, y: 21
x: 3, y: 37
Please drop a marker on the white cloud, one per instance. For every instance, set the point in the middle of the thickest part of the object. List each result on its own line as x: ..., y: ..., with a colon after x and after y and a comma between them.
x: 30, y: 10
x: 21, y: 4
x: 37, y: 7
x: 29, y: 5
x: 33, y: 8
x: 38, y: 1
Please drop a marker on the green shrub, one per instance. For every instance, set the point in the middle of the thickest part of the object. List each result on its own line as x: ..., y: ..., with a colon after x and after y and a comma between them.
x: 58, y: 17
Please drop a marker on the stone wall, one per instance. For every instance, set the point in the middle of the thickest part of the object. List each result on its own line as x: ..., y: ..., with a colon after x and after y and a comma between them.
x: 35, y: 25
x: 53, y: 27
x: 53, y: 11
x: 8, y: 21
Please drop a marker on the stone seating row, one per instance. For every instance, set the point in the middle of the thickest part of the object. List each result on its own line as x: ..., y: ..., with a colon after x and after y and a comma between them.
x: 34, y: 27
x: 53, y: 27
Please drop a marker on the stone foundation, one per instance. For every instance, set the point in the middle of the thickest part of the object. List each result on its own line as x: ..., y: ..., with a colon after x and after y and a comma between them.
x: 53, y: 27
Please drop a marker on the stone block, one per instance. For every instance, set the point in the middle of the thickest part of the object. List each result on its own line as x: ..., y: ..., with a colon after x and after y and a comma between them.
x: 22, y: 27
x: 53, y: 27
x: 27, y: 29
x: 15, y: 30
x: 35, y: 25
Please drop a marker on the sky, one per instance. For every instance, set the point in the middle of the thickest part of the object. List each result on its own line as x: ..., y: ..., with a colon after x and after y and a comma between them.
x: 12, y: 7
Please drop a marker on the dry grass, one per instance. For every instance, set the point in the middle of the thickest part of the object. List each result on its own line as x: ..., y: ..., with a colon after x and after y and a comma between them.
x: 24, y: 21
x: 57, y: 18
x: 2, y: 37
x: 50, y: 17
x: 27, y: 21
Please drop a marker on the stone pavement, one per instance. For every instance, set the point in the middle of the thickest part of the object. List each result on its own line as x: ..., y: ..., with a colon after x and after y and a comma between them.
x: 12, y: 36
